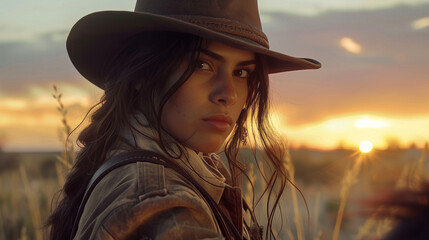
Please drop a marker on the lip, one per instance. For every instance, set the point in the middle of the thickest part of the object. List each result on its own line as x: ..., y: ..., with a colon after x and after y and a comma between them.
x: 219, y: 122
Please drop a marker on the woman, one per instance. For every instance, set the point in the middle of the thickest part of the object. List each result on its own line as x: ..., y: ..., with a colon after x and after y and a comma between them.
x: 182, y: 79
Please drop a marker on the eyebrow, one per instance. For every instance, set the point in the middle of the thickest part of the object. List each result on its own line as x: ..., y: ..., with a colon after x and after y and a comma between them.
x: 221, y: 58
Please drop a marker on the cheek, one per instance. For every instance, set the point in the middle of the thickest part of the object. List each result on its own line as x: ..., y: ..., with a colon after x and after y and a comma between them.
x: 180, y: 114
x: 242, y: 94
x: 173, y: 116
x: 242, y: 100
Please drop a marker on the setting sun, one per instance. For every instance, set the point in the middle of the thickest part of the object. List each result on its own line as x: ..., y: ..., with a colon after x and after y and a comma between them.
x: 365, y: 146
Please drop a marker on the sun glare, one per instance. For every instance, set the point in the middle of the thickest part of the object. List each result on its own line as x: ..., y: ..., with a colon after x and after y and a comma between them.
x: 369, y: 123
x: 365, y: 146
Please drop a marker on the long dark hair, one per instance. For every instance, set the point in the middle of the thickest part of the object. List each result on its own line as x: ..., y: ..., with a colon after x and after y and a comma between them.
x: 135, y: 79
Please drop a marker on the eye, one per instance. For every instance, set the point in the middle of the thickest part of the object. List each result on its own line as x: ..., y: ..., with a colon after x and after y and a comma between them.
x: 203, y: 65
x: 242, y: 73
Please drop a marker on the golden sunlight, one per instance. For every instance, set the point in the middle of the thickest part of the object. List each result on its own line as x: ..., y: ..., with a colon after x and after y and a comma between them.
x: 350, y: 45
x: 370, y: 123
x: 365, y: 146
x: 13, y: 104
x: 277, y: 122
x: 350, y: 131
x: 420, y: 23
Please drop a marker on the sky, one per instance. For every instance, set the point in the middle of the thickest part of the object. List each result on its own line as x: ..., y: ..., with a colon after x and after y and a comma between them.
x: 374, y: 83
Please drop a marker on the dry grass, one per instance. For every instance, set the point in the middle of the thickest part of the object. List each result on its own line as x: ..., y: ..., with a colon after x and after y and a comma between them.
x: 350, y: 178
x: 29, y: 181
x: 17, y: 216
x: 17, y: 222
x: 411, y: 176
x: 297, y: 214
x: 33, y: 205
x: 69, y: 154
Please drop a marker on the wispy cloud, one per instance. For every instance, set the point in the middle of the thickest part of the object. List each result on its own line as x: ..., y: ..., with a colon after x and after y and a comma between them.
x: 420, y: 23
x: 388, y: 76
x: 314, y: 7
x: 43, y: 61
x: 16, y: 34
x: 32, y: 121
x: 350, y: 45
x: 367, y: 122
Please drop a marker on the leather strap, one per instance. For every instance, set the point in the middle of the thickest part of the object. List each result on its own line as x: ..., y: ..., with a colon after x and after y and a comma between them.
x: 227, y: 227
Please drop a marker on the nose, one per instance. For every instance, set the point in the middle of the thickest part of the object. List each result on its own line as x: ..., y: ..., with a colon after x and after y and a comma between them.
x: 223, y: 90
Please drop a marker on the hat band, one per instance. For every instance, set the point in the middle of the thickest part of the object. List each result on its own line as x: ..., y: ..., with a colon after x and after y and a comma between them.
x: 227, y: 26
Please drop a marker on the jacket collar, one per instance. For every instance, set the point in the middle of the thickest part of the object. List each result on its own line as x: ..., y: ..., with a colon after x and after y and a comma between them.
x: 207, y: 169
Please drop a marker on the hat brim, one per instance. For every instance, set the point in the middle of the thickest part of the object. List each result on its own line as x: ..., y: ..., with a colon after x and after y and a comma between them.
x: 96, y: 36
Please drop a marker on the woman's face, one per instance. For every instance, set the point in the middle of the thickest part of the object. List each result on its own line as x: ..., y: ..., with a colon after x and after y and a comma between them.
x: 203, y: 111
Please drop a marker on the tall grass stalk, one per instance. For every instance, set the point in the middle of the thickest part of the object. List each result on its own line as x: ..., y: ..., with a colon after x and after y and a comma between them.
x: 33, y: 204
x: 2, y: 234
x: 403, y: 180
x: 384, y: 226
x: 350, y: 178
x: 374, y: 224
x: 249, y: 189
x: 316, y: 213
x: 68, y: 155
x: 319, y: 236
x: 290, y: 234
x: 419, y: 175
x: 413, y: 174
x: 297, y: 215
x: 409, y: 179
x: 23, y: 233
x: 366, y: 229
x: 249, y: 195
x: 59, y: 169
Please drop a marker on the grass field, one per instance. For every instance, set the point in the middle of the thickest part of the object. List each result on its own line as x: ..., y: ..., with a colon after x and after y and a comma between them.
x: 29, y: 182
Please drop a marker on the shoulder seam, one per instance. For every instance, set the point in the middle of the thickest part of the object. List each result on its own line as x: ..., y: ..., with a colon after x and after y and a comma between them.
x: 151, y: 180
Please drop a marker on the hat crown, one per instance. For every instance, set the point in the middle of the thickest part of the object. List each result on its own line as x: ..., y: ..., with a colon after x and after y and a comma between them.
x: 98, y: 36
x: 243, y: 11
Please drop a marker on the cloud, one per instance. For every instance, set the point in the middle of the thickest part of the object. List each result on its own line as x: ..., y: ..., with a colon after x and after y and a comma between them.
x: 314, y: 7
x: 43, y: 61
x: 390, y: 77
x: 420, y: 23
x: 350, y: 45
x: 12, y: 33
x: 370, y: 123
x: 54, y: 36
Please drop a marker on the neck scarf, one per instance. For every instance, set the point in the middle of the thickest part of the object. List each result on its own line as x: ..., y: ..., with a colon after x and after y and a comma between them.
x: 206, y: 168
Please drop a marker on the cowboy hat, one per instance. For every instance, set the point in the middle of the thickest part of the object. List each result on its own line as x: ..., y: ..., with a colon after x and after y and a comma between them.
x: 233, y: 22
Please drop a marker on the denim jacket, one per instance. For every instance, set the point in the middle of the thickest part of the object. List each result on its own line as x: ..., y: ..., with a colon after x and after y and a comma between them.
x: 147, y: 201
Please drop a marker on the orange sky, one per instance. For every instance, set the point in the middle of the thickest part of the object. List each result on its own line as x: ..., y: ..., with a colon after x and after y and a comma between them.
x: 374, y: 83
